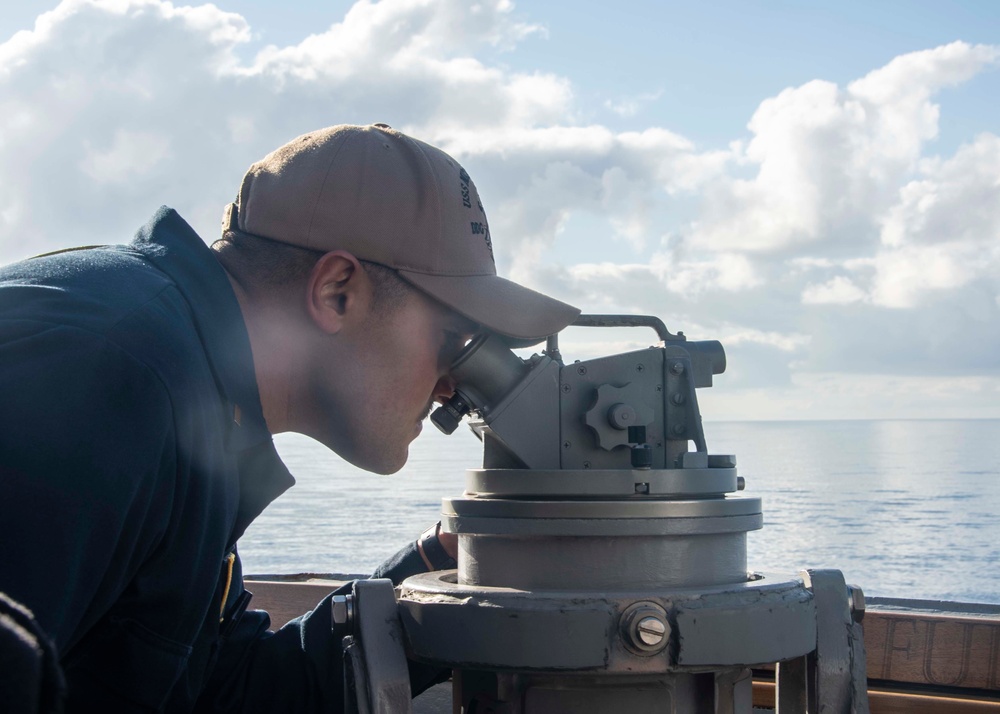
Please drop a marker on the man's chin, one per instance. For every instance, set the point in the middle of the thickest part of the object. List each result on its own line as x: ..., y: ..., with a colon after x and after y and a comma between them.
x: 378, y: 456
x: 386, y: 463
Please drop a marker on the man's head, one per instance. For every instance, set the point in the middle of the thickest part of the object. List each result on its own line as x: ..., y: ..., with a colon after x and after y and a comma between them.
x: 366, y: 261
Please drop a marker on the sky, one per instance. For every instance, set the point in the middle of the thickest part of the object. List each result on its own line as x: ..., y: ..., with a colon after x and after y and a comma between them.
x: 816, y: 185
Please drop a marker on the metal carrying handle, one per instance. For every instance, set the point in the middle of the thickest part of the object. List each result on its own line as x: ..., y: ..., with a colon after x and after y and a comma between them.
x: 629, y: 321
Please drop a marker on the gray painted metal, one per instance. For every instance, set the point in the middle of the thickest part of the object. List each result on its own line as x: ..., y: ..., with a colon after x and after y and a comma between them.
x: 506, y: 483
x: 728, y: 626
x: 629, y: 321
x: 754, y: 622
x: 733, y: 691
x: 639, y: 376
x: 839, y: 651
x: 635, y: 508
x: 602, y: 526
x: 602, y: 563
x: 486, y: 370
x: 530, y: 433
x: 380, y: 634
x: 586, y: 585
x: 614, y: 410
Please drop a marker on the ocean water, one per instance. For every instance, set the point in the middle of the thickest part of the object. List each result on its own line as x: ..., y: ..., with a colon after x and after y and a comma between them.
x: 903, y: 508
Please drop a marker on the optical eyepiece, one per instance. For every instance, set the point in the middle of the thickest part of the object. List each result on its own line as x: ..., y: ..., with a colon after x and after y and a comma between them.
x: 449, y: 415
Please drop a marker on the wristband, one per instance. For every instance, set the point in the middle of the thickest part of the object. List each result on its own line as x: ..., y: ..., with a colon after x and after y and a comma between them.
x: 434, y: 555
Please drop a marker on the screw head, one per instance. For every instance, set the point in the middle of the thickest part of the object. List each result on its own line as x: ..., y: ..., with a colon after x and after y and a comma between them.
x: 679, y: 429
x: 645, y: 628
x: 566, y: 389
x: 651, y: 631
x: 677, y: 368
x: 567, y: 444
x: 677, y: 398
x: 639, y: 367
x: 581, y: 370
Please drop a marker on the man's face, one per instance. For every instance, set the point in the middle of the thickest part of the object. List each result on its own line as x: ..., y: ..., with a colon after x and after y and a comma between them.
x: 386, y: 377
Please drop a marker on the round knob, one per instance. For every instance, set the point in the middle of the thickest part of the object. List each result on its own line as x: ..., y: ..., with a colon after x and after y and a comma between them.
x: 621, y: 416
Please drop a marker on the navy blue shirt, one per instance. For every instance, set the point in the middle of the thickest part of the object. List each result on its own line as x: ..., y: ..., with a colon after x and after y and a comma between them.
x: 133, y: 455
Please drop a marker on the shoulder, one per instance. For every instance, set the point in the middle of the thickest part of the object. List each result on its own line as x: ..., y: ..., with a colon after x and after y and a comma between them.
x: 92, y: 288
x: 67, y: 381
x: 97, y: 306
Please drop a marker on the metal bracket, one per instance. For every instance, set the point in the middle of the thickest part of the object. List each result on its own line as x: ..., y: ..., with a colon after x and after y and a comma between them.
x: 376, y: 658
x: 832, y: 678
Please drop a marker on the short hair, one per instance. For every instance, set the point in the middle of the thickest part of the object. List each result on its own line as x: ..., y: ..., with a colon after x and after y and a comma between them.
x: 263, y: 264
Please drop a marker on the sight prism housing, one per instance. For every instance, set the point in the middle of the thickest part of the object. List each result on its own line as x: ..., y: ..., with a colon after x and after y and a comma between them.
x: 602, y: 559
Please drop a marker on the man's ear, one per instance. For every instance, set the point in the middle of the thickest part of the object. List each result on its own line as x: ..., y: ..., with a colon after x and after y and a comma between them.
x: 336, y: 291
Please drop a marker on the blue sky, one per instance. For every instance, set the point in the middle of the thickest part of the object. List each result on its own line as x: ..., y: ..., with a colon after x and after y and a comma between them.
x: 815, y: 184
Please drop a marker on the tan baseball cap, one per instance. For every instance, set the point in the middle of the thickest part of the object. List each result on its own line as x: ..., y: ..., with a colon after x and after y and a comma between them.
x: 393, y: 200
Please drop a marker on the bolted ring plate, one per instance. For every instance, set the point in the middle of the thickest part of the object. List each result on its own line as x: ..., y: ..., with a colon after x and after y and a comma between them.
x: 762, y: 620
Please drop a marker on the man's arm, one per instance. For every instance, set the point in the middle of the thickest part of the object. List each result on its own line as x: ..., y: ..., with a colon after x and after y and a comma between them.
x: 300, y: 667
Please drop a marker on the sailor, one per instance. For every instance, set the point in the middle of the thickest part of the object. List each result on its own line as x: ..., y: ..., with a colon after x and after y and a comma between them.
x: 140, y: 386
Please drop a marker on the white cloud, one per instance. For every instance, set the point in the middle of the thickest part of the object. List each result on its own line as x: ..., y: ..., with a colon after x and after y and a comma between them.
x: 836, y: 291
x: 830, y: 206
x: 828, y: 159
x: 831, y: 395
x: 130, y: 156
x: 944, y: 232
x: 731, y: 272
x: 785, y: 342
x: 630, y: 106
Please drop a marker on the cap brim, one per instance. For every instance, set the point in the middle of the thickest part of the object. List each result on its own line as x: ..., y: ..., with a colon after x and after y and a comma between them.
x: 520, y: 314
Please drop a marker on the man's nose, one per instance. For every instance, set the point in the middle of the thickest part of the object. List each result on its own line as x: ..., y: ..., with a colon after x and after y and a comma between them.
x: 444, y: 389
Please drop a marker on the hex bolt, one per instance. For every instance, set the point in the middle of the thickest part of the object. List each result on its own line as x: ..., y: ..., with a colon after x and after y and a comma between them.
x: 342, y: 613
x: 857, y: 600
x: 581, y: 370
x: 741, y: 483
x: 677, y: 368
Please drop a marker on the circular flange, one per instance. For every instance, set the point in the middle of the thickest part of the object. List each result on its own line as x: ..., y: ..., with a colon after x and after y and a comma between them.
x: 634, y: 516
x: 506, y: 483
x: 637, y: 507
x: 469, y: 525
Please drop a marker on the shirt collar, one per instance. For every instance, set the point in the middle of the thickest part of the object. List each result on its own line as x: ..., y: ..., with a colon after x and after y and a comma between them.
x: 170, y: 244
